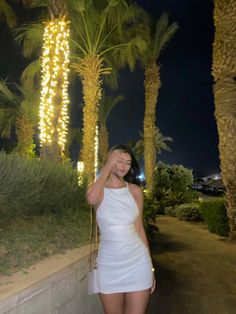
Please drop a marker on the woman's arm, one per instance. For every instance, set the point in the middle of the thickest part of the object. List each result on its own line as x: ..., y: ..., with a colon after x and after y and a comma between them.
x: 94, y: 194
x: 138, y: 196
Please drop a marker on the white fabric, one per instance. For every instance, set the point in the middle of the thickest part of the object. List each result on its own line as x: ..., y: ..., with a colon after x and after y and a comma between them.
x: 123, y: 259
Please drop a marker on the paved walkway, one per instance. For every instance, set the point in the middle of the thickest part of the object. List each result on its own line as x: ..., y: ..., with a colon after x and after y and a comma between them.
x: 196, y: 270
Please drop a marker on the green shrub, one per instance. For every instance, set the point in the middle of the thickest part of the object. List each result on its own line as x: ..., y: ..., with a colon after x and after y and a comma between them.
x: 214, y: 215
x: 34, y: 187
x: 188, y: 212
x: 170, y: 210
x: 174, y: 198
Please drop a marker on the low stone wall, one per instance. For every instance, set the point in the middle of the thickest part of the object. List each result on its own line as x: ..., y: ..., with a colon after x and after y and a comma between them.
x: 57, y: 285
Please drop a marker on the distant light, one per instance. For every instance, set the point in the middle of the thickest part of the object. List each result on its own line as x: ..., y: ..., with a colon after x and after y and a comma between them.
x: 141, y: 176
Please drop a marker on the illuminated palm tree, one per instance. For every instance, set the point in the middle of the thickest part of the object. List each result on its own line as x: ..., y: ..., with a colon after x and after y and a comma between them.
x: 51, y: 36
x: 107, y: 103
x: 224, y: 69
x: 105, y: 33
x: 159, y: 141
x: 158, y: 40
x: 18, y: 111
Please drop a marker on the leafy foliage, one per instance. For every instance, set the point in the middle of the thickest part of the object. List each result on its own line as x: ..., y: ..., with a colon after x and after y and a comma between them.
x: 33, y: 187
x: 188, y: 212
x: 214, y: 214
x: 175, y: 178
x: 160, y: 144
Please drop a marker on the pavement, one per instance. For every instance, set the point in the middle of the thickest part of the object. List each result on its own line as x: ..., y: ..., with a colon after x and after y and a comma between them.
x: 195, y: 270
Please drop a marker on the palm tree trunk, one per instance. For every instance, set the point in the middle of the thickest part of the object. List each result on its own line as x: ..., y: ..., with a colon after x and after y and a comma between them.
x: 152, y: 84
x: 103, y: 144
x: 224, y: 72
x: 24, y: 133
x: 89, y: 69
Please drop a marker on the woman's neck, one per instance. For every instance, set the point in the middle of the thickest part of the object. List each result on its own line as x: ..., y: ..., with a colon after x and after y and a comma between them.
x: 115, y: 182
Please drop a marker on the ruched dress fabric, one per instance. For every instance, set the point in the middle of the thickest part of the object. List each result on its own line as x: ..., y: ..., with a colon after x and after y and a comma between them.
x: 123, y: 260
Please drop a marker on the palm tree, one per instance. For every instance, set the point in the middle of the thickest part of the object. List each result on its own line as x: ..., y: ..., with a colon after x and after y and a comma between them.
x: 18, y: 111
x: 54, y: 37
x: 107, y: 103
x: 158, y: 40
x: 105, y: 34
x: 160, y: 144
x: 224, y: 69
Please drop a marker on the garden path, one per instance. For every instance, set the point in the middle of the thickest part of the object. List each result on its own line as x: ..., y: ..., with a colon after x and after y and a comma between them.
x: 196, y: 270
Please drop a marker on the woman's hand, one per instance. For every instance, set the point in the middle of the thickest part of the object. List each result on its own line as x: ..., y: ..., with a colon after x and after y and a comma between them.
x: 154, y: 284
x: 112, y: 159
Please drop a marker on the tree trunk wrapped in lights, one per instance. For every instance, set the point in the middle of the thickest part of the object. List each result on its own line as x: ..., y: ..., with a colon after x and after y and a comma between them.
x: 152, y: 85
x: 54, y: 94
x: 224, y: 72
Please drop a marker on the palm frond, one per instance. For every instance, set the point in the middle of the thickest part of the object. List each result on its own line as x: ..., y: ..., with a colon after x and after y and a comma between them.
x: 163, y: 34
x: 31, y: 75
x: 7, y: 14
x: 31, y: 37
x: 7, y: 96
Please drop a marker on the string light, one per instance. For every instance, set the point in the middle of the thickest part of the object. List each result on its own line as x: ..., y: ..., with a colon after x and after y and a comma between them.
x: 80, y: 169
x: 96, y: 152
x: 54, y: 98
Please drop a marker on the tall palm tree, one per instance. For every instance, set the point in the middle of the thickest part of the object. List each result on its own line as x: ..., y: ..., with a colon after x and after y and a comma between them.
x: 18, y: 111
x: 224, y: 69
x: 51, y: 36
x: 160, y: 144
x: 107, y: 103
x: 158, y: 40
x: 105, y: 33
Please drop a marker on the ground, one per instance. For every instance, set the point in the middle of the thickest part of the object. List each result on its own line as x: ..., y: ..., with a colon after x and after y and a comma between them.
x: 196, y: 270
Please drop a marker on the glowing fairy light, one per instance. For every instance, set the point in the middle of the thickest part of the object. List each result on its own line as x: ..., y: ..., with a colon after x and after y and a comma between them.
x: 96, y: 152
x: 54, y: 98
x: 80, y: 169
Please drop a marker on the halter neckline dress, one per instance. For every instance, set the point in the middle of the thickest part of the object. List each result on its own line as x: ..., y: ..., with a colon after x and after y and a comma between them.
x: 123, y: 260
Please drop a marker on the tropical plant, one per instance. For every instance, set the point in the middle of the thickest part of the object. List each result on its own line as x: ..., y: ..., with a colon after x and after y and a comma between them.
x: 107, y: 103
x: 18, y: 112
x: 158, y: 40
x: 174, y: 178
x: 7, y: 13
x: 224, y: 69
x: 160, y: 144
x: 51, y: 40
x: 105, y: 33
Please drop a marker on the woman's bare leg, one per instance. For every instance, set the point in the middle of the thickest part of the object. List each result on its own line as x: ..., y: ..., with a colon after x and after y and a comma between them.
x: 113, y: 303
x: 136, y: 302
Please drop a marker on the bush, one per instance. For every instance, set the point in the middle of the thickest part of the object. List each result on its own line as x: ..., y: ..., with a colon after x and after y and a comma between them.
x: 188, y: 212
x: 34, y: 187
x: 215, y: 216
x: 171, y: 178
x: 170, y: 210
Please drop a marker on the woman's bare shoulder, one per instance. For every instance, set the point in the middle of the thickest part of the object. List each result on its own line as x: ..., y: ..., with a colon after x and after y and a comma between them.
x: 135, y: 189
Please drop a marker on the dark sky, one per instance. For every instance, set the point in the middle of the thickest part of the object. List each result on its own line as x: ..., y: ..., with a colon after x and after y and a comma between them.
x: 185, y: 108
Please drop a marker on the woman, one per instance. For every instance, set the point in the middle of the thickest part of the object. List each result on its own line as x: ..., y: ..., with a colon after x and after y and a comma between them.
x: 125, y: 270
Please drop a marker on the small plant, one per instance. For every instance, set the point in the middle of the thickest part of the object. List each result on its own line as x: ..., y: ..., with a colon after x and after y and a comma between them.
x: 188, y: 212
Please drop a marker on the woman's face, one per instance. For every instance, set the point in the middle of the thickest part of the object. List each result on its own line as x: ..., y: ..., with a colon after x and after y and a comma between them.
x: 122, y: 165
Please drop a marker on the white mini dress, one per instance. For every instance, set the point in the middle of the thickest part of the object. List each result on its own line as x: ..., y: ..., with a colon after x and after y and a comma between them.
x: 123, y: 260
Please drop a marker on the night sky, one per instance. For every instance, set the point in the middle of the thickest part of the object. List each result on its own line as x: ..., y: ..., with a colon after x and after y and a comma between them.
x: 185, y: 108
